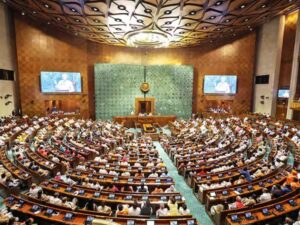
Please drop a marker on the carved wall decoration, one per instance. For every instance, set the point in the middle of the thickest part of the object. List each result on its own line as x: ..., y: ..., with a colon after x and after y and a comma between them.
x: 186, y: 22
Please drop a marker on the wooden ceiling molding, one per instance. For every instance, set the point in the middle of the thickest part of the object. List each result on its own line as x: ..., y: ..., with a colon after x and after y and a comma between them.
x: 187, y: 22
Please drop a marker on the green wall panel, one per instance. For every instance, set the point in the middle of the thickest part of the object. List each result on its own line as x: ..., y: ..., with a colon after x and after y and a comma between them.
x: 172, y: 87
x: 117, y: 86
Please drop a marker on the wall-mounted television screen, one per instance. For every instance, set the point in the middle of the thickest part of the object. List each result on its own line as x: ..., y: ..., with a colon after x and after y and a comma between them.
x: 220, y: 84
x: 60, y: 82
x: 283, y: 93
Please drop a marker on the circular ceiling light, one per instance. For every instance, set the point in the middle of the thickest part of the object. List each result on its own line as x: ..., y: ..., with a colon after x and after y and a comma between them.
x: 147, y: 39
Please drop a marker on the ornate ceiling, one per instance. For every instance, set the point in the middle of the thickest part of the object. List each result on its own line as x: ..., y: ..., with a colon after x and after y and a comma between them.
x: 186, y: 22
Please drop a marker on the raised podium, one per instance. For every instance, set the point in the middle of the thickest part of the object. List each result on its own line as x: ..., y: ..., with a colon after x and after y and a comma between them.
x: 130, y: 121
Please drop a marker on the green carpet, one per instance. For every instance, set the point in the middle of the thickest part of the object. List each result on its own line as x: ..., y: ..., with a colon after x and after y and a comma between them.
x: 197, y: 209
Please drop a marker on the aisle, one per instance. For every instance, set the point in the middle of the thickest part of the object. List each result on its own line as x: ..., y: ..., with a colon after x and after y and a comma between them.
x: 197, y: 209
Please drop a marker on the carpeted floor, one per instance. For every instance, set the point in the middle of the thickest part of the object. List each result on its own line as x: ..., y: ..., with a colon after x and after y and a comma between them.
x: 197, y: 209
x: 1, y: 202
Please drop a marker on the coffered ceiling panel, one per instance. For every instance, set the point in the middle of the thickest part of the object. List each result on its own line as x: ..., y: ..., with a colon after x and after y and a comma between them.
x: 184, y: 22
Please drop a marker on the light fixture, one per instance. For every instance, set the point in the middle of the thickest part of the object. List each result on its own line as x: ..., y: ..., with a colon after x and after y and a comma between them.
x: 95, y: 9
x: 121, y: 7
x: 147, y: 38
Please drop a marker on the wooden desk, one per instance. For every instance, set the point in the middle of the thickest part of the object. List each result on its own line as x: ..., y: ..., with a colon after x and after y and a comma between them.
x: 129, y: 121
x: 258, y: 216
x: 80, y: 218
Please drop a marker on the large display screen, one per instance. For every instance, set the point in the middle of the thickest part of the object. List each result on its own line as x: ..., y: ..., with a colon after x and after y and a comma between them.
x: 220, y: 84
x: 283, y: 93
x: 60, y: 82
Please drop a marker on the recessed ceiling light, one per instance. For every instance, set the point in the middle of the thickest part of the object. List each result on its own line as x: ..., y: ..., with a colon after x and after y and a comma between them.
x: 84, y: 28
x: 204, y: 28
x: 227, y: 20
x: 245, y: 20
x: 242, y: 6
x: 118, y: 20
x: 219, y: 3
x: 73, y: 10
x: 76, y: 34
x: 188, y: 24
x: 58, y: 18
x: 212, y: 17
x: 77, y: 20
x: 117, y: 28
x: 96, y: 21
x: 140, y: 21
x: 121, y: 7
x: 48, y: 22
x: 100, y: 29
x: 181, y: 32
x: 263, y: 6
x: 95, y: 9
x: 34, y: 12
x: 169, y: 29
x: 167, y: 12
x: 218, y: 29
x: 148, y: 11
x: 192, y: 12
x: 23, y: 13
x: 47, y: 6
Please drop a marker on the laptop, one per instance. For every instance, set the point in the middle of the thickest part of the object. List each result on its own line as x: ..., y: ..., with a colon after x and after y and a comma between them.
x: 68, y: 216
x: 266, y: 212
x: 279, y: 208
x: 235, y: 218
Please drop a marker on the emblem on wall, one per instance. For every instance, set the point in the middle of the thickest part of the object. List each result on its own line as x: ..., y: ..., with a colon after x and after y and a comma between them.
x: 145, y: 87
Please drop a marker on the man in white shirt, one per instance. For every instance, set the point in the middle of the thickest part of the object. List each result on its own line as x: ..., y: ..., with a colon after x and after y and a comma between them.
x: 33, y: 191
x: 265, y: 196
x: 64, y: 84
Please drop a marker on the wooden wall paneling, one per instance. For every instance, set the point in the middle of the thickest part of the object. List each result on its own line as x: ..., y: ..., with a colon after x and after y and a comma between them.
x: 40, y: 48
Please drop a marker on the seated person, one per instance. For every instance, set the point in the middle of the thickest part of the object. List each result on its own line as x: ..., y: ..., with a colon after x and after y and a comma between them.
x: 55, y: 199
x: 173, y: 206
x: 170, y: 189
x: 127, y: 188
x: 103, y: 208
x: 122, y: 210
x: 265, y: 196
x: 183, y: 210
x: 157, y: 190
x: 142, y: 189
x: 33, y: 191
x: 146, y: 209
x: 134, y: 210
x: 162, y: 211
